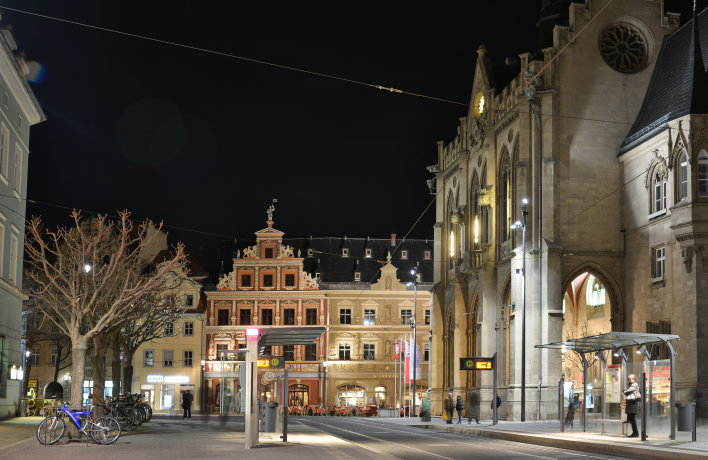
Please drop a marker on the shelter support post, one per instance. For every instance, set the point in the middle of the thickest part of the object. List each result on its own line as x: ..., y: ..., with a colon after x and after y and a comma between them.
x: 644, y: 406
x: 494, y: 397
x: 286, y: 398
x: 584, y: 360
x: 251, y: 419
x: 561, y: 386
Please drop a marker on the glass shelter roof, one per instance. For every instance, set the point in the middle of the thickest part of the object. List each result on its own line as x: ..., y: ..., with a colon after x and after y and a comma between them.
x: 611, y: 341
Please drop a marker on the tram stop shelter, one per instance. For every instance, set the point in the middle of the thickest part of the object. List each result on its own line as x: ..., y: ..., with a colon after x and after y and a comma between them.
x: 602, y: 406
x: 255, y: 339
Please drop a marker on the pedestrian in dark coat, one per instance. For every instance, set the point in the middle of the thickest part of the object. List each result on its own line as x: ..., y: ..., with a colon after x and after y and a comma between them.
x: 473, y: 408
x: 632, y: 396
x: 459, y: 407
x: 187, y: 399
x: 449, y: 406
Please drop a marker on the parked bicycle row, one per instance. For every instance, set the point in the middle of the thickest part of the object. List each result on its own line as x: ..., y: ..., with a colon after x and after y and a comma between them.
x: 120, y: 414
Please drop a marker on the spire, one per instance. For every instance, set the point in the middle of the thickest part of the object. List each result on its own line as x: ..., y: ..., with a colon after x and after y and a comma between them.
x: 699, y: 99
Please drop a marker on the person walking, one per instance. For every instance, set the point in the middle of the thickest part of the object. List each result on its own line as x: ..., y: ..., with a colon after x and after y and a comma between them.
x: 459, y: 407
x: 449, y: 406
x: 473, y: 409
x: 632, y: 396
x: 187, y: 399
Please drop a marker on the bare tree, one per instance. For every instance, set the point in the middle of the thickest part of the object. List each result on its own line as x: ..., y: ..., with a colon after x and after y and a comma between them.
x: 90, y: 276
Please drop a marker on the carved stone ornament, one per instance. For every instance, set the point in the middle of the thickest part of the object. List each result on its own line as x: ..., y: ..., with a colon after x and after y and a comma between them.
x: 250, y: 252
x: 307, y: 281
x: 656, y: 166
x: 225, y: 281
x: 286, y: 251
x: 478, y: 131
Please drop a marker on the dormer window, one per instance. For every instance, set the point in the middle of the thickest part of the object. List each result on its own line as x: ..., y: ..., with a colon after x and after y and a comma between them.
x: 404, y: 254
x: 317, y: 275
x: 309, y: 252
x: 268, y: 253
x: 426, y: 254
x: 419, y: 277
x: 357, y: 276
x: 345, y: 252
x: 367, y: 252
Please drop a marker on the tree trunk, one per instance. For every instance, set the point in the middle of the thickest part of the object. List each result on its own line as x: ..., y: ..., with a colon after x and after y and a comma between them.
x: 127, y: 377
x: 78, y: 370
x: 115, y: 370
x: 100, y: 344
x: 57, y: 364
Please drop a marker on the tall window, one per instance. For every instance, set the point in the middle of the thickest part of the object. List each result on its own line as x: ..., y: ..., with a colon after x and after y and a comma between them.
x: 345, y: 352
x: 246, y: 280
x: 53, y: 356
x: 189, y: 328
x: 290, y: 279
x: 221, y: 350
x: 659, y: 262
x: 3, y: 365
x: 149, y: 358
x: 345, y: 316
x: 267, y: 316
x: 268, y: 253
x: 289, y: 352
x: 289, y: 316
x: 660, y: 327
x: 310, y: 316
x: 427, y: 317
x: 169, y: 328
x: 311, y: 352
x: 18, y: 169
x: 703, y: 173
x: 13, y: 259
x: 683, y: 177
x: 4, y: 150
x: 426, y: 352
x: 595, y: 293
x: 505, y: 203
x: 369, y: 316
x: 267, y: 280
x: 222, y: 317
x: 168, y: 357
x: 406, y: 317
x: 244, y: 316
x: 187, y: 359
x: 659, y: 192
x: 369, y: 352
x: 2, y: 253
x: 34, y: 357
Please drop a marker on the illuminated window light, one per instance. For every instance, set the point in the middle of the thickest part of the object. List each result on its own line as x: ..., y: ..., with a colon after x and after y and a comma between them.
x: 252, y: 332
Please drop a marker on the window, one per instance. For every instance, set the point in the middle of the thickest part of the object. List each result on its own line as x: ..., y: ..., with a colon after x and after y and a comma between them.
x: 659, y: 263
x: 660, y: 351
x: 369, y: 316
x: 267, y: 280
x: 4, y: 150
x: 427, y: 317
x: 345, y: 252
x: 310, y: 316
x: 244, y: 317
x: 149, y: 360
x: 3, y: 365
x: 187, y: 359
x: 246, y: 280
x: 267, y: 350
x: 406, y: 317
x: 53, y: 356
x: 426, y: 352
x: 268, y: 253
x: 189, y: 328
x: 369, y: 352
x: 703, y: 173
x: 318, y: 275
x: 169, y: 329
x: 418, y: 277
x: 168, y: 357
x: 357, y: 276
x: 267, y: 316
x: 290, y: 279
x: 309, y: 252
x: 367, y: 252
x: 13, y: 260
x: 505, y: 202
x: 289, y: 352
x: 289, y: 316
x: 189, y: 300
x: 18, y: 169
x: 659, y: 192
x: 221, y: 350
x: 345, y: 316
x: 426, y: 254
x: 223, y: 317
x: 311, y: 352
x: 404, y: 254
x: 595, y: 293
x: 683, y: 177
x: 345, y: 352
x: 2, y: 253
x: 34, y: 357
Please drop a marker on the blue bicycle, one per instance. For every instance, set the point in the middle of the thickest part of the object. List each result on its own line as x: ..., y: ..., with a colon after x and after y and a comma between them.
x: 103, y: 430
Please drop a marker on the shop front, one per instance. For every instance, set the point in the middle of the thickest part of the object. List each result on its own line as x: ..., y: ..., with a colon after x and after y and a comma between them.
x: 164, y: 392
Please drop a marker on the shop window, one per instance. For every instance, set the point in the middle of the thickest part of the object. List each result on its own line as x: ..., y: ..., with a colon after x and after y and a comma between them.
x: 345, y: 316
x: 351, y: 395
x: 289, y: 316
x: 167, y: 396
x: 311, y: 316
x: 267, y: 316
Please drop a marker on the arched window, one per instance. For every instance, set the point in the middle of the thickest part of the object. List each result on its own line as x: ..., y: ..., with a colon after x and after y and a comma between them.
x: 658, y: 191
x: 703, y: 173
x: 595, y: 292
x: 682, y: 177
x: 504, y: 198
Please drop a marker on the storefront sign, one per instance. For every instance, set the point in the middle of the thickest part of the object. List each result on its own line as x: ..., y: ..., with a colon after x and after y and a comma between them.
x: 155, y: 378
x: 167, y: 378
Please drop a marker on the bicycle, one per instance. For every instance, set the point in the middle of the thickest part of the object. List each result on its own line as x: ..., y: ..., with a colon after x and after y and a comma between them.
x: 103, y: 430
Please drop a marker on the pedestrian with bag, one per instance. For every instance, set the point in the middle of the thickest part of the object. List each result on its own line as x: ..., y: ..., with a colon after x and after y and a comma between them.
x: 632, y: 397
x: 187, y: 399
x: 449, y: 407
x: 459, y: 407
x: 473, y: 410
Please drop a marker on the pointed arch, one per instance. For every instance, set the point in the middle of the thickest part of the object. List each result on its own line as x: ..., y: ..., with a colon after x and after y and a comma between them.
x: 612, y: 288
x: 504, y: 181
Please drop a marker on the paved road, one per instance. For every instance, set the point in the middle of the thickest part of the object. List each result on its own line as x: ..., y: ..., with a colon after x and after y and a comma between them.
x: 407, y: 442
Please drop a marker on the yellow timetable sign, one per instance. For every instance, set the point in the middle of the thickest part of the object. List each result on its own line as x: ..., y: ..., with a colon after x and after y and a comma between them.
x: 476, y: 364
x: 275, y: 362
x: 263, y: 363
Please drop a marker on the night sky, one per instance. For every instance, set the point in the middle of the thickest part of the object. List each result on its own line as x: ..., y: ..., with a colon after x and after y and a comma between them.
x: 203, y: 141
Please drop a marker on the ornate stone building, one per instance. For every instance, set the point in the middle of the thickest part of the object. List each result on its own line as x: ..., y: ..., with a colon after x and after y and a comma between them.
x: 603, y: 244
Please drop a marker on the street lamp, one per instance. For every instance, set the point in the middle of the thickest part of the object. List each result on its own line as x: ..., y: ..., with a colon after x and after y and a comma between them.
x: 414, y: 272
x: 522, y: 225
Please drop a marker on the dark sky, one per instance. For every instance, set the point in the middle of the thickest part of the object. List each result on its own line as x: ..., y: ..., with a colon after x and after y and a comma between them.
x: 204, y: 142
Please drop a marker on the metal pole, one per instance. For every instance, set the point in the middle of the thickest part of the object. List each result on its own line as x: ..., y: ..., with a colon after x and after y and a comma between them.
x: 644, y: 406
x: 221, y: 386
x: 524, y: 213
x: 561, y: 392
x: 395, y: 377
x: 495, y: 418
x: 415, y: 337
x: 285, y: 402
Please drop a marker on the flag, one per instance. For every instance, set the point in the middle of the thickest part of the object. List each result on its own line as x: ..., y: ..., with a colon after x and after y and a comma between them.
x: 396, y: 350
x: 408, y: 361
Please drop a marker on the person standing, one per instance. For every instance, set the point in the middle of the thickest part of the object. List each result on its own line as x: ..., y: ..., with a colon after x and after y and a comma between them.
x: 459, y: 407
x: 449, y: 406
x: 187, y: 399
x: 473, y: 409
x: 632, y: 397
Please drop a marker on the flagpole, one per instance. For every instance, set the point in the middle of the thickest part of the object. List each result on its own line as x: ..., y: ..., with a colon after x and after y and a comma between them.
x: 395, y: 380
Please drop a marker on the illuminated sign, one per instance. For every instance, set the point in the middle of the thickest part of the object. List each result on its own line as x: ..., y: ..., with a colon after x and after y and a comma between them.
x: 155, y: 378
x: 263, y: 362
x: 476, y: 364
x: 274, y: 362
x: 167, y: 378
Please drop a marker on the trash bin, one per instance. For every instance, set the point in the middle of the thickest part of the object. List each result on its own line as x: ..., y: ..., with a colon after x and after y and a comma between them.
x: 685, y: 416
x: 270, y: 415
x: 22, y: 408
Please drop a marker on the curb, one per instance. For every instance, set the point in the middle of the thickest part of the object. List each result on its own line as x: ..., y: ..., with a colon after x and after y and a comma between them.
x: 598, y: 447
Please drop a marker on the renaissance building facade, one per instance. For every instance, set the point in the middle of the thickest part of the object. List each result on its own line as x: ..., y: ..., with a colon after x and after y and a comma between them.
x: 570, y: 202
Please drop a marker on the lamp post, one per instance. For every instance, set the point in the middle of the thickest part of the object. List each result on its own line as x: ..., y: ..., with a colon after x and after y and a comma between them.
x: 522, y: 224
x: 414, y: 272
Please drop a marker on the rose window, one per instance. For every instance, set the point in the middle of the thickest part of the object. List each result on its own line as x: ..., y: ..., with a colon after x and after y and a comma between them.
x: 624, y: 48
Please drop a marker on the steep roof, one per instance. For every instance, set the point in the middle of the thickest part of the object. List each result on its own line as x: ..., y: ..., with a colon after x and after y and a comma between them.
x: 678, y: 86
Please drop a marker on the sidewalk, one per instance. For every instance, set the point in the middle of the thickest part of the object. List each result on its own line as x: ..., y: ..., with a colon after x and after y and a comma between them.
x: 547, y: 433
